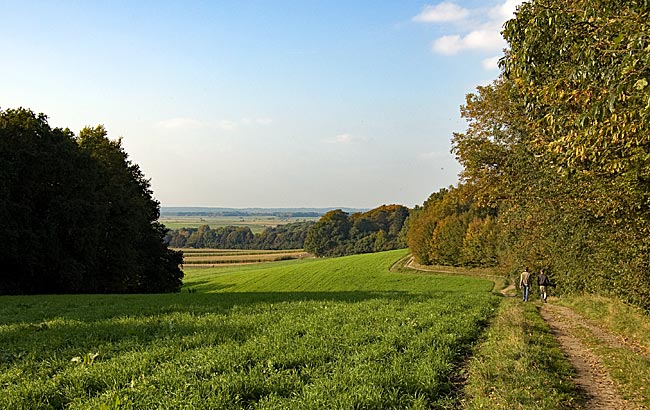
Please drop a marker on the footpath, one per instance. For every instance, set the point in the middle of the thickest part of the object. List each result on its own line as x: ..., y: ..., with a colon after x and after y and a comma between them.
x: 571, y: 330
x: 592, y: 380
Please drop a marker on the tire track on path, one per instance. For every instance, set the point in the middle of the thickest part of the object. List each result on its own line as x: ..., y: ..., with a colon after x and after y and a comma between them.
x: 592, y: 380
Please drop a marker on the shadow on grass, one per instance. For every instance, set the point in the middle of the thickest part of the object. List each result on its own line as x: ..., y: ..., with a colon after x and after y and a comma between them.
x: 91, y: 308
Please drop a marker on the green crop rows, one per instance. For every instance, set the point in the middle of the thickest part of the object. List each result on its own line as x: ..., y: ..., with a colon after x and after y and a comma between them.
x: 334, y: 333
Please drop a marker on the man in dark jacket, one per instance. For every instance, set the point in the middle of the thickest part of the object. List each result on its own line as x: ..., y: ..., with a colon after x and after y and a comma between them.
x: 542, y: 281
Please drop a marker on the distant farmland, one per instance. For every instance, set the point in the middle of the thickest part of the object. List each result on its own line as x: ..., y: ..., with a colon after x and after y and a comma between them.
x: 257, y: 224
x: 212, y: 257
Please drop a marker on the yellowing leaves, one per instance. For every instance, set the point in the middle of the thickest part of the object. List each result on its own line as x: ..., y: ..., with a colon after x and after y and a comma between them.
x: 641, y: 84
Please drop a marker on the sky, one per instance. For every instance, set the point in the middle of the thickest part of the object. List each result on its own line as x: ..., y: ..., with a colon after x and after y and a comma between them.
x: 261, y: 103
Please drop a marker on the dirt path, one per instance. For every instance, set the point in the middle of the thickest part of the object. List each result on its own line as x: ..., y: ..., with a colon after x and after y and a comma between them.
x: 598, y: 389
x: 509, y: 291
x: 593, y: 381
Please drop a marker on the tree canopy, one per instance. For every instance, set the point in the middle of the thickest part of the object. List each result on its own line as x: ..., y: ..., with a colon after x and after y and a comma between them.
x: 78, y: 215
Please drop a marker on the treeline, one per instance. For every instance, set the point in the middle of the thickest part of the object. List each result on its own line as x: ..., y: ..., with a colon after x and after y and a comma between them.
x: 286, y: 236
x: 337, y: 233
x: 556, y: 155
x: 77, y: 215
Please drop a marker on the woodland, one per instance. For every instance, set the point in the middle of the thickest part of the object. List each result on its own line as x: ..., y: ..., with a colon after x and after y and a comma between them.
x: 556, y: 155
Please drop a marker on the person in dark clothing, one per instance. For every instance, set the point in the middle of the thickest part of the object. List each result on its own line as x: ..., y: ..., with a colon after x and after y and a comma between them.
x: 542, y: 281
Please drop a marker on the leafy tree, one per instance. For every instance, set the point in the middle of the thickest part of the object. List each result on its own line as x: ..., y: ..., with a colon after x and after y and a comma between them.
x: 582, y: 69
x: 329, y: 235
x: 479, y: 246
x: 338, y: 234
x: 80, y: 216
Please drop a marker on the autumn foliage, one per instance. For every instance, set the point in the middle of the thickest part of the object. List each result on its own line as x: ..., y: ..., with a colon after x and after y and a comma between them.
x: 556, y: 154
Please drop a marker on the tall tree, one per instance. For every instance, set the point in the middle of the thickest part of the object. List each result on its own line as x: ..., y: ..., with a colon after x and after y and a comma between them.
x: 80, y: 216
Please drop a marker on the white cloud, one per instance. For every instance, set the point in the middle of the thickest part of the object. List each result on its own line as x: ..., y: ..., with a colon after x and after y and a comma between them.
x: 255, y: 121
x: 491, y: 63
x: 226, y: 125
x: 505, y: 10
x: 346, y: 138
x: 343, y: 139
x: 478, y: 29
x: 488, y: 40
x: 441, y: 13
x: 263, y: 121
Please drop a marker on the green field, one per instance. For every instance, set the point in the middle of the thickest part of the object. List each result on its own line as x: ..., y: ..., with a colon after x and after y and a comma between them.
x: 257, y: 224
x: 311, y: 334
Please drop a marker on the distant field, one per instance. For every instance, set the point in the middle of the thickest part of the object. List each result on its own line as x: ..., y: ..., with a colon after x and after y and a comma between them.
x: 205, y: 257
x: 256, y: 223
x: 311, y: 334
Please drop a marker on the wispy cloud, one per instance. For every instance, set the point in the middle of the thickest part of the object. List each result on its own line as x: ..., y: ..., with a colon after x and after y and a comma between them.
x: 181, y: 123
x: 476, y: 29
x: 340, y: 139
x: 442, y: 13
x: 505, y: 10
x: 256, y: 121
x: 224, y: 125
x: 344, y: 139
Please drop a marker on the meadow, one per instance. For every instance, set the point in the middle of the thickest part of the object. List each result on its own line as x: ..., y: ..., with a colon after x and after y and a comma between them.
x: 305, y: 334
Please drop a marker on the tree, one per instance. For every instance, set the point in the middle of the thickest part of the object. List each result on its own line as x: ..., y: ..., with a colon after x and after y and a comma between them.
x: 329, y: 235
x: 337, y: 234
x: 81, y: 215
x: 43, y: 200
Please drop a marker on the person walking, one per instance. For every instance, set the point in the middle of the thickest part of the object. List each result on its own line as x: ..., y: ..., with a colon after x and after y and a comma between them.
x: 542, y: 281
x: 524, y: 283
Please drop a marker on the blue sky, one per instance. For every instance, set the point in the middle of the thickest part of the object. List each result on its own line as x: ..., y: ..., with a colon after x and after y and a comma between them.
x: 261, y: 103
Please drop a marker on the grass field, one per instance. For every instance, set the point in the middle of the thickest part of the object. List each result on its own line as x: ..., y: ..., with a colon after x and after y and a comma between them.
x: 311, y: 334
x: 257, y: 224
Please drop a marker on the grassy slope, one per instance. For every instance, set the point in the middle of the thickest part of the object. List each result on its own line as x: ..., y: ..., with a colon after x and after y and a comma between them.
x: 351, y: 273
x: 335, y: 333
